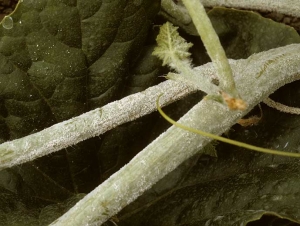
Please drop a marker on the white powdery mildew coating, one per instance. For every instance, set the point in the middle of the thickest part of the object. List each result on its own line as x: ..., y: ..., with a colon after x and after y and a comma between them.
x: 174, y: 146
x: 287, y: 7
x: 50, y: 139
x: 178, y: 14
x: 174, y: 10
x: 89, y: 124
x: 137, y: 105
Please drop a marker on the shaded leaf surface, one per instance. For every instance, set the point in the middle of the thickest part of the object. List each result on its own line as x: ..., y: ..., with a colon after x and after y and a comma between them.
x: 58, y: 60
x: 243, y: 33
x: 236, y: 196
x: 239, y: 186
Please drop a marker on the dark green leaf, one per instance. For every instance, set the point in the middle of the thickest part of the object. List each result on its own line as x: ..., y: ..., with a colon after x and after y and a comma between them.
x: 59, y: 59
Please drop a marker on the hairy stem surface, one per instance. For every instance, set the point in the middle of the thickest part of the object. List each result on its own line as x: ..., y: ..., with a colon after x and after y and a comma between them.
x: 212, y: 44
x: 174, y: 146
x: 88, y: 125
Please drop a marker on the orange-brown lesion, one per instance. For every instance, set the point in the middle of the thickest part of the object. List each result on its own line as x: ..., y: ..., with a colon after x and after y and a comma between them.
x: 234, y: 103
x: 251, y: 121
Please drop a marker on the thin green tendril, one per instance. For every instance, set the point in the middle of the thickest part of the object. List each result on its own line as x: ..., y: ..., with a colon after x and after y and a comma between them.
x: 223, y: 139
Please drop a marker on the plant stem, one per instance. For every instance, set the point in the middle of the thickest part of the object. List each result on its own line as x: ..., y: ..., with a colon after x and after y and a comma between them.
x: 89, y: 124
x: 177, y: 14
x: 174, y: 146
x: 287, y: 7
x: 281, y: 107
x: 190, y: 77
x: 212, y: 44
x: 172, y: 49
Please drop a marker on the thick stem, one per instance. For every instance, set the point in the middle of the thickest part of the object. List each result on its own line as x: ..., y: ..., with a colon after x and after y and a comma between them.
x: 178, y: 15
x: 286, y: 7
x: 190, y: 77
x: 174, y: 146
x: 88, y: 125
x: 212, y: 44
